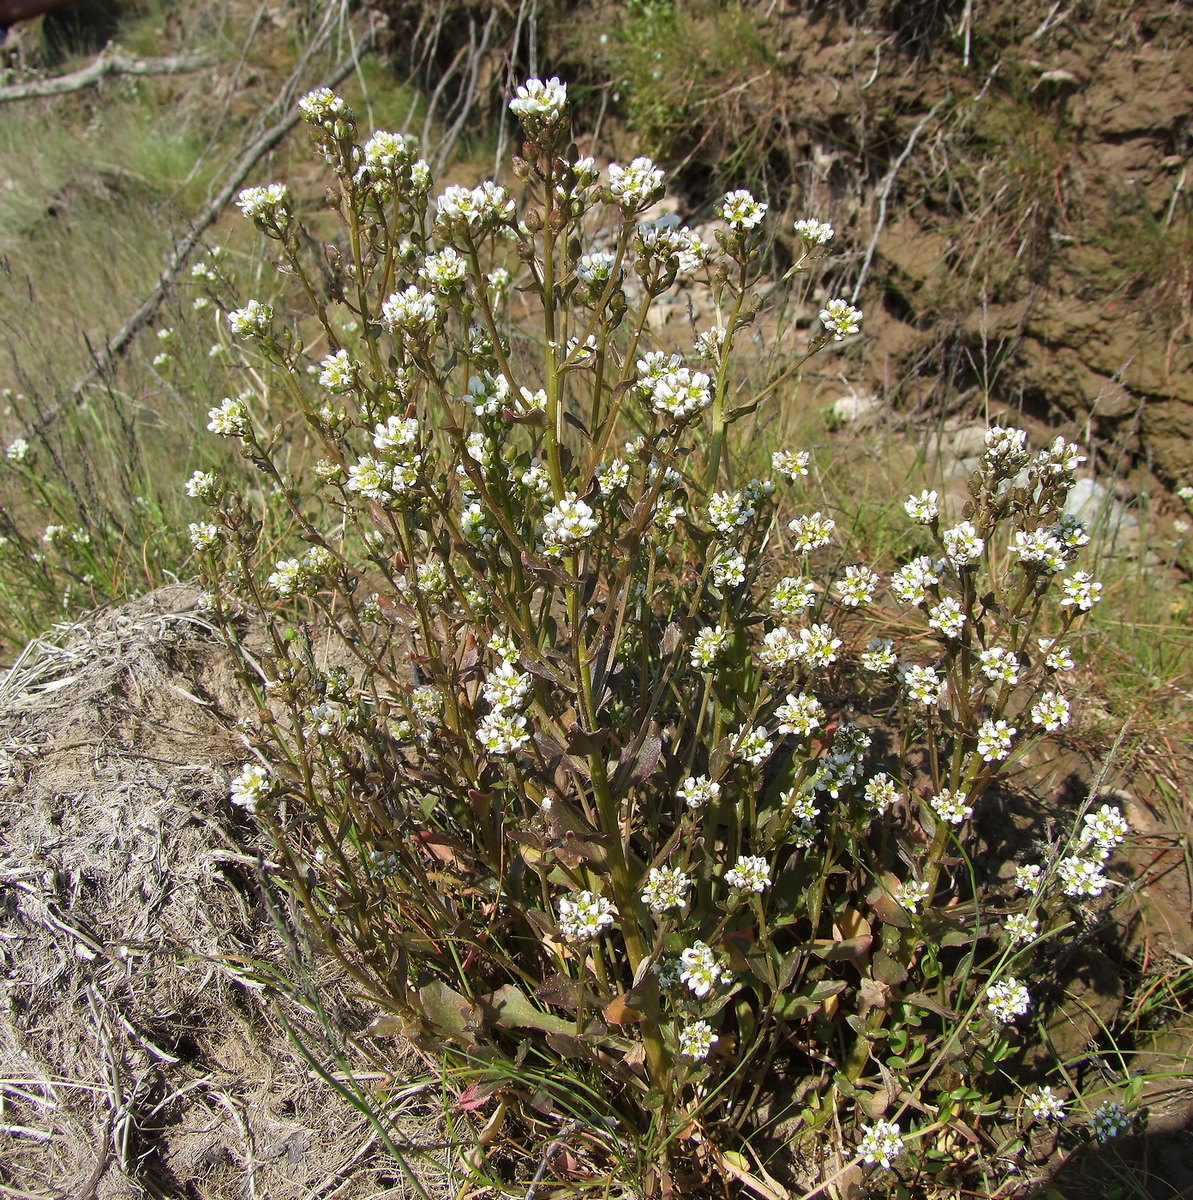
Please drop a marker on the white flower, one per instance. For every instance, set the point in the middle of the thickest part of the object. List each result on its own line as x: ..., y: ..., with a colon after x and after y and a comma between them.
x: 1109, y: 1120
x: 791, y: 463
x: 503, y: 647
x: 950, y: 807
x: 250, y: 321
x: 1051, y: 711
x: 570, y: 522
x: 339, y: 372
x: 445, y: 272
x: 727, y: 511
x: 230, y: 419
x: 962, y: 544
x: 268, y: 204
x: 613, y: 476
x: 1081, y: 877
x: 1056, y: 656
x: 741, y: 210
x: 502, y: 731
x: 637, y: 186
x: 800, y: 805
x: 791, y: 596
x: 994, y: 740
x: 711, y: 343
x: 752, y: 745
x: 1071, y: 531
x: 1021, y: 928
x: 680, y: 393
x: 487, y: 394
x: 999, y: 665
x: 411, y: 311
x: 475, y: 209
x: 18, y: 450
x: 536, y: 101
x: 923, y: 685
x: 322, y: 106
x: 881, y: 792
x: 204, y: 535
x: 751, y: 873
x: 910, y: 583
x: 696, y: 792
x: 924, y: 508
x: 1081, y: 590
x: 386, y: 151
x: 701, y: 971
x: 382, y: 481
x: 817, y: 647
x: 507, y: 687
x: 779, y: 649
x: 858, y: 586
x: 947, y: 616
x: 1039, y: 546
x: 799, y: 715
x: 707, y: 646
x: 1061, y: 458
x: 596, y: 267
x: 395, y: 433
x: 664, y: 889
x: 288, y: 577
x: 247, y: 789
x: 879, y: 656
x: 729, y: 570
x: 696, y: 1039
x: 911, y: 894
x: 813, y: 232
x: 584, y: 915
x: 1007, y: 999
x: 203, y: 485
x: 430, y: 582
x: 1045, y: 1105
x: 1104, y: 830
x: 1006, y: 450
x: 1028, y: 877
x: 881, y: 1144
x: 841, y: 319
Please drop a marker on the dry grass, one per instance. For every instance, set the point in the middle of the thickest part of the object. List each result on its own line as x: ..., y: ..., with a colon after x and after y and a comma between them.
x: 150, y: 1039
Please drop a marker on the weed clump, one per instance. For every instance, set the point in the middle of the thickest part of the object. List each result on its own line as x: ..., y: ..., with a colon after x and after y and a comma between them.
x: 632, y: 800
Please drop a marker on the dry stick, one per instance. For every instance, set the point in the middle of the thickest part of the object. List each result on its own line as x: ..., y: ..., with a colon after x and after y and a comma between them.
x: 888, y: 185
x: 120, y: 342
x: 106, y: 64
x: 475, y: 57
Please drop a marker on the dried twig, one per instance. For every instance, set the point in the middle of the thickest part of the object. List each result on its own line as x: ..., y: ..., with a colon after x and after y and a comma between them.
x: 888, y: 185
x: 106, y: 64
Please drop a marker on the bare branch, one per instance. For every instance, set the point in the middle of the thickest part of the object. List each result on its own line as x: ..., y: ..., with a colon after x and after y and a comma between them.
x: 106, y: 64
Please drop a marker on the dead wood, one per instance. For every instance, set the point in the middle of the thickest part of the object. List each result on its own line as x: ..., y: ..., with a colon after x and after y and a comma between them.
x: 100, y: 68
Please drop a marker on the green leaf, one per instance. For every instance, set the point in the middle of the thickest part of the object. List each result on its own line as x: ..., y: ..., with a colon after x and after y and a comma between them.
x: 923, y: 1000
x: 886, y: 969
x: 850, y: 948
x: 447, y: 1012
x: 511, y: 1008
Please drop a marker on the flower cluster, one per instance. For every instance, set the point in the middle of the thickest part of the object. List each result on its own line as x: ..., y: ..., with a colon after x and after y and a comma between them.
x: 583, y: 915
x: 881, y: 1144
x: 1007, y: 999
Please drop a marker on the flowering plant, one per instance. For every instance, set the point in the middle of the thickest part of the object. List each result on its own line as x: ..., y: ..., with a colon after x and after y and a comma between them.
x: 596, y: 774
